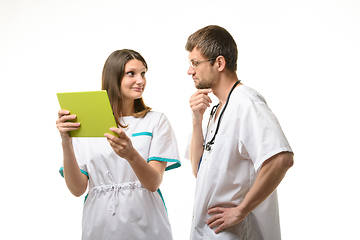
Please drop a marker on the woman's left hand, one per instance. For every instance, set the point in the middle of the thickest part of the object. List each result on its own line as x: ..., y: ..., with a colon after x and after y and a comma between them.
x: 122, y: 145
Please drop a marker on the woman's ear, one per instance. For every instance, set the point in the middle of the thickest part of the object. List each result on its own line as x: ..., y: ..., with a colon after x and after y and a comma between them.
x: 221, y: 63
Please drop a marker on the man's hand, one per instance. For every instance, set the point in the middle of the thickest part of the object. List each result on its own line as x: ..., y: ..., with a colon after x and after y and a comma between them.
x: 199, y: 101
x: 224, y: 218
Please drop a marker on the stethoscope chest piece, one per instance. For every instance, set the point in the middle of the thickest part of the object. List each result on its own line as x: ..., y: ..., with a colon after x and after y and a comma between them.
x: 208, y: 146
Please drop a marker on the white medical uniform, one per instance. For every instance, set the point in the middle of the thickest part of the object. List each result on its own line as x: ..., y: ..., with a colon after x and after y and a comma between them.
x: 249, y: 134
x: 117, y: 205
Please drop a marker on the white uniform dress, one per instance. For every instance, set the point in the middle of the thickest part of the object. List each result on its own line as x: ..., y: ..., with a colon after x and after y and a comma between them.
x: 117, y: 205
x: 249, y: 134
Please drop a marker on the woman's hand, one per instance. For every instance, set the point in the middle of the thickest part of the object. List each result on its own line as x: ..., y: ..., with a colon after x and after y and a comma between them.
x: 149, y: 174
x: 65, y: 127
x: 122, y: 145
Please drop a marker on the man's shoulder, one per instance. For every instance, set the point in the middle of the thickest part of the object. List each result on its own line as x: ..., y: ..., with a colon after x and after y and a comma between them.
x: 247, y: 96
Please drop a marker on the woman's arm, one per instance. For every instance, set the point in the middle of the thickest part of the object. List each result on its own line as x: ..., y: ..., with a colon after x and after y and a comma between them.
x: 149, y: 174
x: 75, y: 180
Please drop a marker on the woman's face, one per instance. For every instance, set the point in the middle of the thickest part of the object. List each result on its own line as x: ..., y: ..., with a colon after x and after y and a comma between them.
x: 133, y: 82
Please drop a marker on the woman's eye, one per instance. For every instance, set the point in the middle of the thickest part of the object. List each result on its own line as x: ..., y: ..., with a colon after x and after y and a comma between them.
x: 131, y: 73
x: 143, y: 74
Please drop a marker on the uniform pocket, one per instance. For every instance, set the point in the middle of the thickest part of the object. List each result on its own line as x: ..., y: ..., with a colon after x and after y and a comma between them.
x: 141, y: 142
x: 219, y: 154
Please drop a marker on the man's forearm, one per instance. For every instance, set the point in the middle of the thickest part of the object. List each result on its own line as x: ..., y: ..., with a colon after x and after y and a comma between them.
x: 268, y: 179
x: 196, y: 147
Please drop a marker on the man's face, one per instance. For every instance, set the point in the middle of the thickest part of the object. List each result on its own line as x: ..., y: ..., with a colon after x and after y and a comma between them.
x: 201, y: 71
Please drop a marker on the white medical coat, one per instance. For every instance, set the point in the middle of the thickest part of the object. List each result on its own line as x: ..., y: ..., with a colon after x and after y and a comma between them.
x: 118, y: 206
x: 249, y: 134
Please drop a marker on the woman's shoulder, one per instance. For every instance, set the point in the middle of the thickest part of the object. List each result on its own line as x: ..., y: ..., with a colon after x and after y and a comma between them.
x: 154, y: 115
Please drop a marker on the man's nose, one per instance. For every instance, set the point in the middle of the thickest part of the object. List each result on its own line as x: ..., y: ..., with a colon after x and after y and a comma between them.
x: 191, y: 70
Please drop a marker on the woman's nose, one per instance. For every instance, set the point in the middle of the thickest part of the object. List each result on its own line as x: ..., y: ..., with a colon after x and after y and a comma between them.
x: 140, y: 80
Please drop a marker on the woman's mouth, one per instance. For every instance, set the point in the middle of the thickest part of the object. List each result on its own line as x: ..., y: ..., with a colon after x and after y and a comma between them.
x: 137, y: 89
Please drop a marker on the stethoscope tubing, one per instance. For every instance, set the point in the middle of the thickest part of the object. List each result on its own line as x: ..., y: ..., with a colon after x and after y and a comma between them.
x: 207, y: 146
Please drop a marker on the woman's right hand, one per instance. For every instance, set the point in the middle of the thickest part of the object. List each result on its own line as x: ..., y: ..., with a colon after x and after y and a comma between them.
x: 65, y: 127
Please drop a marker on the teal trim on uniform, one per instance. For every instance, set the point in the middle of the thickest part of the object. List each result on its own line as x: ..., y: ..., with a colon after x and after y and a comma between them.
x: 86, y: 198
x: 176, y: 165
x: 142, y: 134
x: 162, y: 198
x: 85, y: 173
x: 61, y: 171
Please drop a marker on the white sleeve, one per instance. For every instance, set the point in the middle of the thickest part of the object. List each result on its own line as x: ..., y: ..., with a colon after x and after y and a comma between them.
x: 163, y: 144
x: 261, y: 134
x: 80, y: 149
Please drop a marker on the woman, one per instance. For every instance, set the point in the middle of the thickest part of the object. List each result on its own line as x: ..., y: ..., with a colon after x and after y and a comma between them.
x: 123, y: 173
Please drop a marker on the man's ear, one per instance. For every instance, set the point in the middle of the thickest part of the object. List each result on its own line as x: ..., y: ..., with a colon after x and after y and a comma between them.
x: 221, y: 63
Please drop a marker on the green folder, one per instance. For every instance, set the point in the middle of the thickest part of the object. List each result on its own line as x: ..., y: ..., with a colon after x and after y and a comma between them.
x: 93, y: 111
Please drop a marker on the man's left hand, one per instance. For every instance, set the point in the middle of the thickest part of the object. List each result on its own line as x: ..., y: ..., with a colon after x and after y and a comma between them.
x: 224, y: 218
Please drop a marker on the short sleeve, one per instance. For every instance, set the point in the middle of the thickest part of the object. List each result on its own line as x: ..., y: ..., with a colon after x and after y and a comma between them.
x: 80, y: 145
x: 163, y: 144
x: 261, y: 134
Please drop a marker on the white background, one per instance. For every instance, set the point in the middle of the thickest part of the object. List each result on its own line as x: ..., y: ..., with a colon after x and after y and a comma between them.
x: 302, y: 56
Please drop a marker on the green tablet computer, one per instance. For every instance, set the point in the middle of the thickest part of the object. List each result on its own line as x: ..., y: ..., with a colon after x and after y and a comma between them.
x: 93, y: 111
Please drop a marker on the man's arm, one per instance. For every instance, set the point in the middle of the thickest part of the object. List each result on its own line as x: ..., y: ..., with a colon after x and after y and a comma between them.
x: 196, y: 147
x: 199, y: 101
x: 268, y: 179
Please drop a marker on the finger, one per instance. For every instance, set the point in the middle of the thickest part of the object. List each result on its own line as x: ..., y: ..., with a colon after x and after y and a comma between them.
x: 63, y: 112
x: 202, y: 91
x: 119, y: 132
x: 218, y: 222
x: 221, y: 227
x: 200, y: 103
x: 213, y: 219
x: 200, y: 96
x: 65, y: 118
x: 115, y: 145
x: 216, y: 210
x: 68, y: 126
x: 65, y: 130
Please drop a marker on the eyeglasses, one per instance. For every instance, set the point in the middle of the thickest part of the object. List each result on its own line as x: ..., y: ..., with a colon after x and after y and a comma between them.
x: 194, y: 64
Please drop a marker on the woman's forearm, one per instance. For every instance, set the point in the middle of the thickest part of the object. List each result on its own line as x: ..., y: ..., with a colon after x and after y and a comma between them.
x: 75, y: 180
x: 149, y: 174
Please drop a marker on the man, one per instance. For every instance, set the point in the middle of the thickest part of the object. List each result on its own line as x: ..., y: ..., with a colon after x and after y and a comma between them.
x: 238, y: 169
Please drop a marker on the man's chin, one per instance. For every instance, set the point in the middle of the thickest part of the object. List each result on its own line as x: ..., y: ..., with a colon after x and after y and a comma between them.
x: 199, y: 86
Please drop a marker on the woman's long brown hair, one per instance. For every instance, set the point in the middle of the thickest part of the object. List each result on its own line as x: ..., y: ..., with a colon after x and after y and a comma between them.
x: 112, y: 75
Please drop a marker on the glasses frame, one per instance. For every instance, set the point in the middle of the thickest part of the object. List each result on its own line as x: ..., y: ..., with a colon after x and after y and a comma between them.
x: 194, y: 64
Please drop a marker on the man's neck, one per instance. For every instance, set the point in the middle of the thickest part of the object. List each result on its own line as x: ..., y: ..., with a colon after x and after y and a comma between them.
x: 222, y: 88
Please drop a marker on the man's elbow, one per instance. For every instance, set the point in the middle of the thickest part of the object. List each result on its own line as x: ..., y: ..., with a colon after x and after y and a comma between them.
x: 287, y: 160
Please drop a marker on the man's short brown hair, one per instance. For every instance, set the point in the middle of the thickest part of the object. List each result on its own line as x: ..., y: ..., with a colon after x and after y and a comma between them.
x: 213, y: 41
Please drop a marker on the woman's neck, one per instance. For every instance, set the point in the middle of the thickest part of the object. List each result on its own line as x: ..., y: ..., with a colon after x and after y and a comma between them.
x: 127, y: 109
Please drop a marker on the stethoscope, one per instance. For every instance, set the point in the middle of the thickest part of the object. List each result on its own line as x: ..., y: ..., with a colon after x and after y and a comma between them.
x: 207, y: 146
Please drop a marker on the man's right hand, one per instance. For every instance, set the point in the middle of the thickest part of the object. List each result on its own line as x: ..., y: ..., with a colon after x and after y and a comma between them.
x: 199, y: 101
